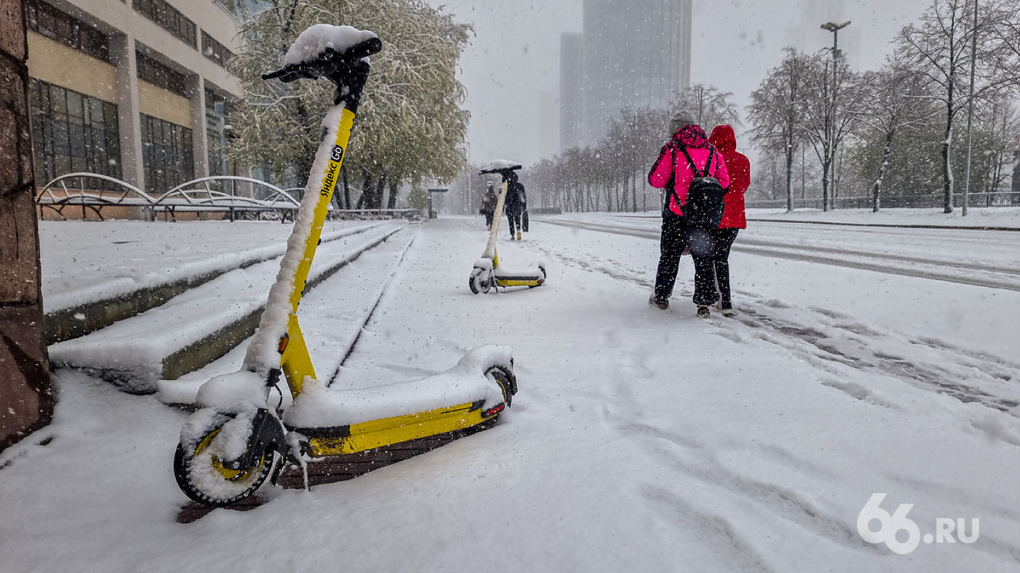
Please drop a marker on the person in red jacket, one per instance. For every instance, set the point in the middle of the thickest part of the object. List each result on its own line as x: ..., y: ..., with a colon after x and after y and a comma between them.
x: 672, y: 172
x: 739, y: 169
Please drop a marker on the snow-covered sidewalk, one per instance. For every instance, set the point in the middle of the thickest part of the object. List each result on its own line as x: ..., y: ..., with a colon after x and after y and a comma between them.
x: 639, y: 440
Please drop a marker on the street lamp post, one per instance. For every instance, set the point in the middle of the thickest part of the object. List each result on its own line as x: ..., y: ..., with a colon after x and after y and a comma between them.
x: 830, y: 119
x: 970, y: 110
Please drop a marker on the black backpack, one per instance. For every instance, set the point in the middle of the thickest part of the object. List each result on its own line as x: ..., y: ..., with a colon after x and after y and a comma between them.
x: 704, y: 207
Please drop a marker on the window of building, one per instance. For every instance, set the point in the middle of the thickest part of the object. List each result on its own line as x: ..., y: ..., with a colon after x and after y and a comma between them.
x: 214, y: 50
x: 167, y: 154
x: 169, y: 18
x: 56, y: 25
x: 72, y: 133
x: 157, y: 74
x: 215, y: 112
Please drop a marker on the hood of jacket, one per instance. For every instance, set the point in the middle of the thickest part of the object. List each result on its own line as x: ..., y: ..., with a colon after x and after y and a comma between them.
x: 723, y: 138
x: 691, y: 136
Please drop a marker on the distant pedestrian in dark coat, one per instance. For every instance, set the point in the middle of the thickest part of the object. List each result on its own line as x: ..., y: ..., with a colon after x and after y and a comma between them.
x: 672, y: 172
x: 515, y: 204
x: 488, y: 204
x: 734, y: 219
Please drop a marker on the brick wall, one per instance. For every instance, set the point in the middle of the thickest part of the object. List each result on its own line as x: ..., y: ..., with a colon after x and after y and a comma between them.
x: 26, y: 398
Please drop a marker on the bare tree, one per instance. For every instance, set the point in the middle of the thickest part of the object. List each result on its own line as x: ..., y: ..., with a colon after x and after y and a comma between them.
x: 896, y: 100
x: 940, y: 47
x: 607, y: 174
x: 709, y: 106
x: 776, y: 111
x: 833, y: 107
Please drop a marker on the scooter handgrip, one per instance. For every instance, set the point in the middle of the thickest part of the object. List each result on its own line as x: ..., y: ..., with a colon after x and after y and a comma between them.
x: 274, y: 75
x: 362, y: 49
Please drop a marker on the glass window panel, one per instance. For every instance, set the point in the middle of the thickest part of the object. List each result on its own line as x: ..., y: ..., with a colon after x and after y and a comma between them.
x: 58, y: 101
x: 74, y: 105
x: 44, y: 96
x: 62, y: 164
x: 96, y: 112
x: 45, y: 23
x: 98, y: 141
x: 76, y: 139
x: 60, y: 134
x: 111, y: 117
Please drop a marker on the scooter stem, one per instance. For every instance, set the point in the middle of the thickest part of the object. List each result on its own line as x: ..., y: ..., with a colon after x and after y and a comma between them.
x: 497, y: 216
x: 279, y: 333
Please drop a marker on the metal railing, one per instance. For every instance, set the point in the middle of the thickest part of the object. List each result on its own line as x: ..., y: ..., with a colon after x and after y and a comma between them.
x: 1001, y: 199
x: 197, y: 195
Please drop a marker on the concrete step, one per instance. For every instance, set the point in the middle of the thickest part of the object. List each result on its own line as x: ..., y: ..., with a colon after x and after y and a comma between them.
x: 200, y: 324
x: 98, y: 305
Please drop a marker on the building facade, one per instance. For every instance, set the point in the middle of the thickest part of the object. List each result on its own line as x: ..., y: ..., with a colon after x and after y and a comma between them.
x: 571, y: 75
x: 636, y: 53
x: 132, y: 89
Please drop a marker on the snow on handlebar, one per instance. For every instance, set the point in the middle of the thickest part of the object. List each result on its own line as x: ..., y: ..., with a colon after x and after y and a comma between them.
x: 322, y: 49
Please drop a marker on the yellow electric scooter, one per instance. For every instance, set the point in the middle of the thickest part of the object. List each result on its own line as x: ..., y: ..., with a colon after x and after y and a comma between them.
x: 487, y: 273
x: 228, y: 447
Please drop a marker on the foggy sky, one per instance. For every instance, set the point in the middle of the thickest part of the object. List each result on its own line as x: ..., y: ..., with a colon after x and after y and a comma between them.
x: 511, y: 67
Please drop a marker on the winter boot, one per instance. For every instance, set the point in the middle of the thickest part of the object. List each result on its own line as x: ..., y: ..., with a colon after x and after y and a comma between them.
x: 703, y: 311
x: 518, y: 235
x: 660, y: 302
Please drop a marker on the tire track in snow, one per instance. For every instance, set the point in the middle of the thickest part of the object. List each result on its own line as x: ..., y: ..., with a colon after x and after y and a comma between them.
x: 687, y: 455
x: 835, y: 338
x: 853, y: 344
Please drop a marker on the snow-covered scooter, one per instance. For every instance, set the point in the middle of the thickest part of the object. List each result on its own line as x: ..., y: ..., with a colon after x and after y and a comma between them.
x: 487, y: 272
x: 228, y: 447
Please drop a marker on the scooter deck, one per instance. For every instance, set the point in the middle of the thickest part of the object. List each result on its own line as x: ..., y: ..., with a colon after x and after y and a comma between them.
x: 531, y: 277
x: 509, y: 281
x: 337, y: 468
x: 340, y: 440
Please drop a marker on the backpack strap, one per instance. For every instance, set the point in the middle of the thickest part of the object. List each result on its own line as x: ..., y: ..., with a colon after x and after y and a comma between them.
x: 708, y: 164
x: 694, y: 168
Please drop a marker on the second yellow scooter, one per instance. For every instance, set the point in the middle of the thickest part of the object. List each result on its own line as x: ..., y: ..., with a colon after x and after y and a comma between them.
x: 487, y: 272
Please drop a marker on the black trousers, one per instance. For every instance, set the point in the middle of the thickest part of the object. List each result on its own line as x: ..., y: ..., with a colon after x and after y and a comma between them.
x: 723, y: 241
x: 672, y: 243
x: 514, y: 217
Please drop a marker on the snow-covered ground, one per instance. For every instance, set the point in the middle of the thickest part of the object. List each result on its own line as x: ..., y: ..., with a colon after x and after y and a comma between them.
x: 639, y: 441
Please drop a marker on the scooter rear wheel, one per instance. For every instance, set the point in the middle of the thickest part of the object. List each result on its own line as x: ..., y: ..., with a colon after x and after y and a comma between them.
x: 204, y: 478
x: 506, y: 380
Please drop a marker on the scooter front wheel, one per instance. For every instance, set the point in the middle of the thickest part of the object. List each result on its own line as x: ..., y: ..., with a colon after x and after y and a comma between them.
x: 480, y: 281
x: 204, y: 477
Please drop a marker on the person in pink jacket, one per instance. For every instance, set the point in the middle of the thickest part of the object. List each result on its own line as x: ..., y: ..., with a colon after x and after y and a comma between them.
x: 673, y: 172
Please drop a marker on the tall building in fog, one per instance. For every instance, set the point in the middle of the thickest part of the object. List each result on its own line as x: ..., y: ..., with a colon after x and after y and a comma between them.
x: 571, y: 62
x: 635, y: 53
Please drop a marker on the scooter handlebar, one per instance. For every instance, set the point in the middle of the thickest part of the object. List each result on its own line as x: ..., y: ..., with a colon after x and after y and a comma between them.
x: 500, y: 170
x: 328, y: 63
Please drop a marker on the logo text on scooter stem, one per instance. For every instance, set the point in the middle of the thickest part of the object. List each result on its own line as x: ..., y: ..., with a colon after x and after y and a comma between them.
x: 335, y: 156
